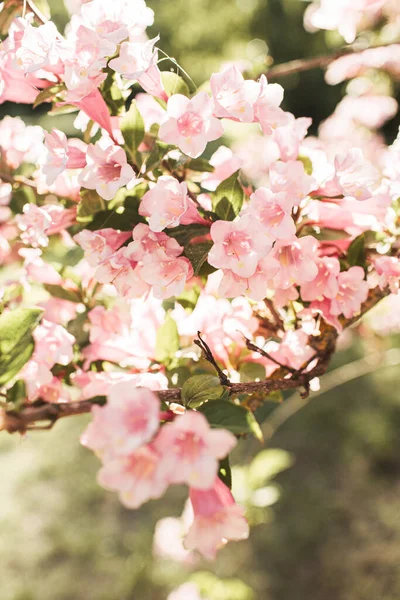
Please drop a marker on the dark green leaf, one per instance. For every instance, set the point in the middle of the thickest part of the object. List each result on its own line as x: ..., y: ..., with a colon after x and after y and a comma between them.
x: 197, y: 254
x: 200, y: 164
x: 90, y: 204
x: 228, y: 198
x: 112, y: 94
x: 185, y: 233
x: 201, y: 388
x: 17, y: 392
x: 63, y: 293
x: 356, y: 253
x: 167, y: 342
x: 234, y: 417
x: 132, y: 128
x: 174, y: 84
x: 20, y: 197
x: 16, y: 342
x: 225, y: 472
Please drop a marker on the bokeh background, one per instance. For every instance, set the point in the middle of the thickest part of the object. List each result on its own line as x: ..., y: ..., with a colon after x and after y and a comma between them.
x: 334, y: 532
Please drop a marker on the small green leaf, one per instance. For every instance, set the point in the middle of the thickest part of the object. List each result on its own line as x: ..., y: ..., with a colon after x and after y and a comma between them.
x: 200, y: 164
x: 49, y: 94
x: 132, y: 128
x: 63, y: 293
x: 356, y: 255
x: 228, y: 198
x: 167, y: 341
x: 234, y: 417
x: 197, y: 254
x: 16, y: 342
x: 308, y: 167
x: 174, y: 84
x: 185, y: 233
x: 201, y: 388
x: 225, y: 472
x: 20, y: 197
x: 90, y: 204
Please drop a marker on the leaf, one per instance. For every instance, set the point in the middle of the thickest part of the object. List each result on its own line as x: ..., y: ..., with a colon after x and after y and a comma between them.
x: 123, y: 218
x: 228, y: 198
x: 197, y: 254
x: 112, y: 94
x: 49, y: 94
x: 90, y: 204
x: 356, y: 255
x: 20, y: 197
x: 16, y: 342
x: 201, y: 388
x: 308, y: 166
x: 225, y: 472
x: 63, y: 293
x: 132, y: 128
x: 234, y: 417
x: 17, y: 392
x: 174, y: 84
x: 200, y: 164
x: 185, y: 233
x: 250, y: 371
x: 79, y: 328
x: 167, y: 341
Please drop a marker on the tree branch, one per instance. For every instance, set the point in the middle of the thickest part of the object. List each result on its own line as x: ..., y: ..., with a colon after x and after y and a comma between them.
x: 29, y: 415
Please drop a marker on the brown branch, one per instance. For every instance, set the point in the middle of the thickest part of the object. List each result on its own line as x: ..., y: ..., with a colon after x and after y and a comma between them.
x: 208, y: 355
x: 29, y: 415
x: 316, y: 62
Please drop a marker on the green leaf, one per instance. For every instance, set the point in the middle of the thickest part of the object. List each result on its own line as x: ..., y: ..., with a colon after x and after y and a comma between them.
x: 132, y: 129
x: 20, y: 197
x: 16, y: 342
x: 201, y: 388
x: 174, y: 84
x: 79, y: 328
x: 123, y: 218
x: 112, y: 93
x: 49, y: 94
x: 167, y: 341
x: 63, y: 293
x: 356, y: 255
x: 250, y: 371
x: 200, y: 164
x: 308, y: 167
x: 234, y: 417
x: 17, y: 392
x: 197, y: 254
x: 225, y: 472
x: 228, y: 198
x: 90, y: 204
x: 185, y: 233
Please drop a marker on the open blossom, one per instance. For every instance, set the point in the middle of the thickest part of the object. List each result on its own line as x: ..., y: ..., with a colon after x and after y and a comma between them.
x: 234, y: 97
x: 254, y: 287
x: 101, y: 244
x: 167, y: 275
x: 190, y: 450
x: 190, y: 123
x: 19, y: 143
x: 34, y: 222
x: 355, y: 176
x: 107, y: 169
x: 325, y: 283
x: 116, y: 21
x: 138, y: 476
x: 39, y: 48
x: 293, y: 350
x: 53, y: 344
x: 225, y: 164
x: 128, y: 420
x: 135, y: 58
x: 238, y: 245
x: 352, y: 292
x: 290, y: 177
x: 297, y: 260
x: 167, y: 204
x: 267, y: 108
x: 387, y: 272
x: 289, y: 136
x: 274, y: 211
x: 217, y: 520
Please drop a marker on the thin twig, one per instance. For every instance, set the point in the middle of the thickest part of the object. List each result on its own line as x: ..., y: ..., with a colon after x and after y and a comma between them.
x: 208, y: 355
x: 254, y: 348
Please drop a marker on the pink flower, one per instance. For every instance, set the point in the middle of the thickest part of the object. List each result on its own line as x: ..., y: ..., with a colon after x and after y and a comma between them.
x: 137, y: 476
x: 19, y: 143
x: 217, y: 519
x: 190, y: 124
x: 289, y: 177
x: 354, y: 175
x: 297, y: 260
x: 325, y: 284
x: 274, y: 211
x: 167, y: 275
x: 254, y: 287
x: 107, y: 169
x: 116, y: 21
x: 289, y: 136
x: 353, y: 291
x: 225, y: 163
x: 101, y: 244
x: 53, y: 344
x: 128, y: 420
x: 37, y: 269
x: 388, y: 271
x: 34, y: 222
x: 293, y: 350
x: 135, y: 58
x: 238, y: 245
x: 234, y: 97
x: 56, y: 157
x: 267, y: 108
x: 190, y: 450
x: 167, y: 204
x: 39, y: 48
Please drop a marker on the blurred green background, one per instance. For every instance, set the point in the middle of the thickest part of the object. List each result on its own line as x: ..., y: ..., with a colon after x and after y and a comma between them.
x: 334, y: 534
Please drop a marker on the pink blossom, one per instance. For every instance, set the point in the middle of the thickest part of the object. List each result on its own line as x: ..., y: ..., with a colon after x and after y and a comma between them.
x: 128, y: 420
x: 238, y: 245
x: 234, y: 97
x: 273, y: 211
x: 95, y: 107
x: 38, y: 48
x: 19, y: 143
x: 150, y: 110
x: 297, y: 259
x: 354, y: 175
x: 190, y: 124
x: 59, y: 311
x: 101, y: 244
x: 254, y: 287
x: 388, y: 271
x: 290, y: 177
x: 135, y: 58
x: 115, y: 21
x: 94, y: 383
x: 152, y: 83
x: 225, y: 163
x: 56, y: 157
x: 53, y: 344
x: 54, y: 391
x: 167, y: 275
x: 267, y: 108
x: 190, y: 450
x: 289, y: 137
x: 137, y: 476
x: 37, y: 269
x: 325, y: 284
x: 167, y: 204
x: 107, y: 169
x: 217, y: 520
x: 293, y: 350
x: 146, y: 243
x: 353, y: 291
x: 34, y: 222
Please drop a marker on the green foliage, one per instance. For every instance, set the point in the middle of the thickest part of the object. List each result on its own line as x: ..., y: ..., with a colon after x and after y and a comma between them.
x: 63, y: 293
x: 20, y: 197
x: 201, y: 388
x: 197, y: 254
x: 112, y: 94
x: 250, y: 371
x: 174, y: 84
x: 231, y: 416
x: 49, y: 94
x: 214, y: 588
x: 132, y: 129
x: 356, y: 255
x: 199, y: 164
x: 16, y: 342
x: 184, y: 233
x: 90, y: 204
x: 225, y: 472
x: 167, y: 341
x: 227, y: 199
